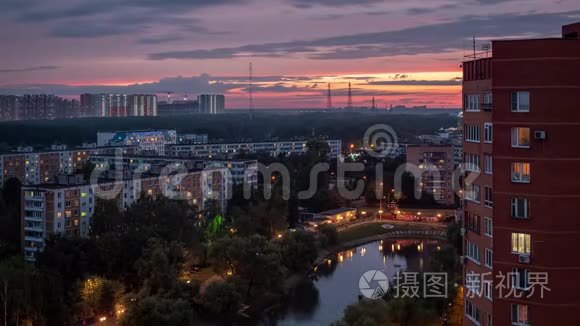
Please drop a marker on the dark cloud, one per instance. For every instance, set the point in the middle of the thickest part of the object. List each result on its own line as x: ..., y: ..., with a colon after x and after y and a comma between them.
x: 426, y: 39
x: 451, y: 82
x: 186, y: 85
x: 332, y: 3
x: 28, y: 69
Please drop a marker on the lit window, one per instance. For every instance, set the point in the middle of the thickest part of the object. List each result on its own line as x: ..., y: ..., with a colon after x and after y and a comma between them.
x: 520, y: 208
x: 521, y: 243
x: 520, y: 102
x: 520, y: 315
x: 521, y: 172
x: 521, y: 137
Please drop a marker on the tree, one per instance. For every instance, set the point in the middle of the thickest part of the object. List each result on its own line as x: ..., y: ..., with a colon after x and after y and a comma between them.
x: 328, y: 235
x: 318, y: 150
x: 107, y: 217
x: 10, y: 218
x: 222, y: 300
x: 11, y: 193
x: 28, y: 296
x: 158, y: 310
x: 100, y: 295
x: 159, y: 266
x: 366, y: 313
x: 298, y: 250
x: 254, y: 261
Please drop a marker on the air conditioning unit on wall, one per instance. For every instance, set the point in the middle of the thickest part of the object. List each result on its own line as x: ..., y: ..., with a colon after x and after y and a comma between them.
x: 539, y: 135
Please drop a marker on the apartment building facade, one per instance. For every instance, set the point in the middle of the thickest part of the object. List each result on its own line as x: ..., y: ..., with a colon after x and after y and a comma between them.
x: 118, y: 105
x: 38, y: 167
x: 148, y: 141
x: 433, y: 166
x: 232, y: 149
x: 66, y: 208
x: 241, y: 171
x: 520, y: 216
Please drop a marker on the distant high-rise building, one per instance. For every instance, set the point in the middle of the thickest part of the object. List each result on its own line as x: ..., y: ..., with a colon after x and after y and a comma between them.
x: 433, y: 166
x: 8, y: 107
x: 142, y: 105
x: 41, y: 106
x: 177, y: 108
x: 118, y: 105
x: 211, y: 104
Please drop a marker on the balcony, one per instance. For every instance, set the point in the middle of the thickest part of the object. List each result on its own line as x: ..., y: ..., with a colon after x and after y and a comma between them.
x: 486, y: 106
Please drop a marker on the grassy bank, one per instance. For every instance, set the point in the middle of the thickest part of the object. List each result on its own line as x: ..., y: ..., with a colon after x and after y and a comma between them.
x: 362, y: 231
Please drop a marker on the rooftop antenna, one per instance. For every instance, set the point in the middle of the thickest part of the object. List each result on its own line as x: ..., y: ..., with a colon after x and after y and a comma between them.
x: 250, y: 93
x: 374, y: 107
x: 328, y: 98
x: 349, y: 102
x: 474, y: 47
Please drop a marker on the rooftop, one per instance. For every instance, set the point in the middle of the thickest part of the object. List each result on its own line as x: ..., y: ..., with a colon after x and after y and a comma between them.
x: 337, y: 211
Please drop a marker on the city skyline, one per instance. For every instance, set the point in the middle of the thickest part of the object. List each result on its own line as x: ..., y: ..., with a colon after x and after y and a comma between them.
x: 401, y: 53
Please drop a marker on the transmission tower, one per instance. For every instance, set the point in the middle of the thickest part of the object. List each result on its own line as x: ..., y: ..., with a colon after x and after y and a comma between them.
x: 328, y: 98
x: 349, y: 102
x: 250, y: 93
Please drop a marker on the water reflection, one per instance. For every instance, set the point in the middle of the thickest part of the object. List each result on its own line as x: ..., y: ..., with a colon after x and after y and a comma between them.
x: 334, y: 283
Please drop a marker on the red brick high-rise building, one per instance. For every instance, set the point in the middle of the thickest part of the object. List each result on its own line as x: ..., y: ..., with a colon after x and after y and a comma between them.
x: 521, y: 220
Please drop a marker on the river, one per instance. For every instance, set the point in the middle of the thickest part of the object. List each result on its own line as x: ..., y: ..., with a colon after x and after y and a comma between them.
x: 335, y: 283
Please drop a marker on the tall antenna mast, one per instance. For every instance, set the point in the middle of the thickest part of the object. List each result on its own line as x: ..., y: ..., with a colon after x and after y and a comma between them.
x: 328, y: 98
x: 349, y: 102
x: 474, y: 47
x: 374, y: 107
x: 251, y: 95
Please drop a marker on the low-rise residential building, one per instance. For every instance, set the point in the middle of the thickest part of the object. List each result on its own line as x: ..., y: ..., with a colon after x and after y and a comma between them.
x: 274, y: 148
x: 36, y: 167
x: 148, y: 141
x: 66, y: 208
x: 241, y: 171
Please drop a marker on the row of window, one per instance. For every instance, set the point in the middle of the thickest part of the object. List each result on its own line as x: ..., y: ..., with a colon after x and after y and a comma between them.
x: 520, y: 313
x: 520, y: 136
x: 520, y: 102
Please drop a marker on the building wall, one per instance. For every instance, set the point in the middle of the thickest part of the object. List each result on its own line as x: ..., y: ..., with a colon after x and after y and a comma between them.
x: 438, y: 183
x: 477, y: 81
x: 67, y: 209
x: 232, y: 149
x: 211, y: 104
x: 550, y: 71
x: 42, y: 167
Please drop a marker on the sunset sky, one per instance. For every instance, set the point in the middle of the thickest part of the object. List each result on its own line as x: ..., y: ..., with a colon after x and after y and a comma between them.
x: 401, y: 52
